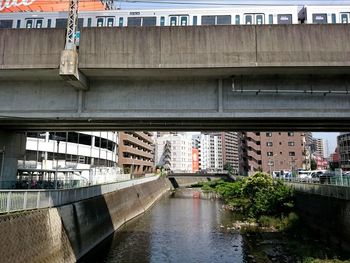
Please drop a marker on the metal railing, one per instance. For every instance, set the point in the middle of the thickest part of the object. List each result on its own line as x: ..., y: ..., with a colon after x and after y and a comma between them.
x: 18, y: 200
x: 324, y: 180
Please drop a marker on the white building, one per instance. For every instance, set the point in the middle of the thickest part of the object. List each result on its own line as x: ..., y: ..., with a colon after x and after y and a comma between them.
x: 210, y: 152
x: 90, y: 152
x: 180, y: 153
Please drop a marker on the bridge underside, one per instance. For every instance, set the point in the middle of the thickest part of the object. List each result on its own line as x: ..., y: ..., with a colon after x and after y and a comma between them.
x: 193, y: 102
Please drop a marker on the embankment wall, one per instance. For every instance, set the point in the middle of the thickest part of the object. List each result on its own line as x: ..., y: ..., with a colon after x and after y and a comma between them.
x: 66, y: 233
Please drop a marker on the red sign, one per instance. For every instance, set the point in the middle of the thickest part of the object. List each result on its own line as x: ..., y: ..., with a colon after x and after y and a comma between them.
x: 195, y: 160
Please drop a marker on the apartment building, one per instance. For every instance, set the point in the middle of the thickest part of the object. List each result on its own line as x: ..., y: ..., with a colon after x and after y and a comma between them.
x: 272, y: 151
x: 174, y: 150
x: 136, y: 152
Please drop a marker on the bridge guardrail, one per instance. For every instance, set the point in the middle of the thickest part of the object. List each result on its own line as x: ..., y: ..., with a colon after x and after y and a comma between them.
x: 19, y: 200
x: 336, y: 187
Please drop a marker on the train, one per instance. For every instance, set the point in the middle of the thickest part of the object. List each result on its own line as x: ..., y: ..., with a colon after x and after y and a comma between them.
x: 238, y: 15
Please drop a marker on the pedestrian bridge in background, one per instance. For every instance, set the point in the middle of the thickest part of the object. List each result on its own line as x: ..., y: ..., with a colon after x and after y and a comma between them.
x: 274, y: 77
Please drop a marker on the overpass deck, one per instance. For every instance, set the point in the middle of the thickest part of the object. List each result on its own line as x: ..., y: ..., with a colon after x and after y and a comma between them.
x: 273, y: 77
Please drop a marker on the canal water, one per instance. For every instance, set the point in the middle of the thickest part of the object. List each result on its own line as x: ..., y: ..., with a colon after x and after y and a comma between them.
x: 175, y: 230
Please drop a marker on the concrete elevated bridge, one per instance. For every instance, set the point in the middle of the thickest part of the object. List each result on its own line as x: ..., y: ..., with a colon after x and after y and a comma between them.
x: 277, y: 77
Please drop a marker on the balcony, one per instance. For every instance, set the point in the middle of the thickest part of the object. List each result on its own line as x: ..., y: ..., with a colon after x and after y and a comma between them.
x: 135, y: 151
x: 131, y: 139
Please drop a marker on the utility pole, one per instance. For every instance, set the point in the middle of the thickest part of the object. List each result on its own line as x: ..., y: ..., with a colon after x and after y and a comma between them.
x: 69, y: 70
x: 72, y: 25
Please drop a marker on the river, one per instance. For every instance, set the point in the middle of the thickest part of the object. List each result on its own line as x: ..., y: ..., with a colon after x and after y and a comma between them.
x: 174, y: 230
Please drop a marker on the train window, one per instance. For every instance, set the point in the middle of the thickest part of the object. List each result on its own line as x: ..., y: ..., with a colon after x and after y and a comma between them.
x: 39, y: 23
x: 194, y: 20
x: 89, y: 22
x: 284, y: 19
x: 344, y: 18
x: 173, y: 21
x: 18, y: 23
x: 319, y: 18
x: 100, y: 22
x: 149, y: 21
x: 110, y: 22
x: 223, y: 20
x: 121, y: 21
x: 6, y: 23
x: 80, y: 23
x: 270, y: 19
x: 248, y: 19
x: 334, y: 20
x: 29, y: 23
x: 184, y: 21
x: 134, y: 21
x: 61, y: 23
x: 48, y: 23
x: 259, y: 19
x: 238, y: 20
x: 208, y: 20
x: 162, y: 21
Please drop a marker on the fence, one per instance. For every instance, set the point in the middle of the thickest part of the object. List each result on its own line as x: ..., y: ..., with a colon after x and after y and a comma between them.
x: 18, y: 200
x: 324, y: 180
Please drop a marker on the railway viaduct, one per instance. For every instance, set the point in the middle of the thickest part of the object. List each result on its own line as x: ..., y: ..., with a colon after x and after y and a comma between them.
x: 277, y: 77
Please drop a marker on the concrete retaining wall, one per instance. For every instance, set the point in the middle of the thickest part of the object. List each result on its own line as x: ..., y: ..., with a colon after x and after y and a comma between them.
x: 66, y: 233
x: 328, y: 216
x: 215, y: 46
x: 31, y: 49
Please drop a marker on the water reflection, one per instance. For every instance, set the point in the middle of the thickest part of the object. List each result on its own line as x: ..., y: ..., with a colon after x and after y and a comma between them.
x: 174, y: 230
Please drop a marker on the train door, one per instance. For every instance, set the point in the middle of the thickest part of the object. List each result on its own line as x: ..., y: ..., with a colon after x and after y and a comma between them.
x: 344, y: 18
x: 178, y: 20
x: 254, y: 19
x: 34, y: 23
x: 105, y: 21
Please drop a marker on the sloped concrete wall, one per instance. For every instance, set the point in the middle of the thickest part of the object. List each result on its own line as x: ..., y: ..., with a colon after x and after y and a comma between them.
x: 66, y: 233
x: 327, y: 216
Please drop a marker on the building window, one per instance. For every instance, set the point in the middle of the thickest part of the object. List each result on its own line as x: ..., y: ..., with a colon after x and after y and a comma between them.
x: 269, y: 134
x: 291, y: 143
x: 291, y: 153
x: 269, y: 153
x: 290, y: 134
x: 269, y: 144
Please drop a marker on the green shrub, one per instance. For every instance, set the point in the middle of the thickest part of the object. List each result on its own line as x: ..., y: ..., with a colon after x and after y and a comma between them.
x: 267, y: 197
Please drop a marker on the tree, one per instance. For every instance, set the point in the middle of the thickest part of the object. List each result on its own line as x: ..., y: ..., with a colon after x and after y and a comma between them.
x: 228, y: 167
x: 313, y: 164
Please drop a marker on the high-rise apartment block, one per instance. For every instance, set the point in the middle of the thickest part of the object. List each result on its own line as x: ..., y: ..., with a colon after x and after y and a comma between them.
x: 136, y: 152
x: 272, y: 151
x: 175, y: 150
x: 210, y: 151
x: 319, y: 147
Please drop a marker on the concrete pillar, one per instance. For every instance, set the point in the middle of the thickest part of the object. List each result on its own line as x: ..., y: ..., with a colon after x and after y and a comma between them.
x: 12, y: 147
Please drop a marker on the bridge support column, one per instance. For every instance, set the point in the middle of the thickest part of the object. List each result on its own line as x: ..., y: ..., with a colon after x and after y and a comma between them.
x: 12, y: 147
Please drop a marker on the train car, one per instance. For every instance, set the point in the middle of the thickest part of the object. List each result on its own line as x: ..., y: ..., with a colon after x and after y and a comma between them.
x: 327, y: 14
x: 240, y: 15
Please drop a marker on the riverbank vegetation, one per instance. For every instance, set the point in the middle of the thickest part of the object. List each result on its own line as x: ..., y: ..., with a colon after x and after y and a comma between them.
x: 267, y: 206
x: 258, y: 197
